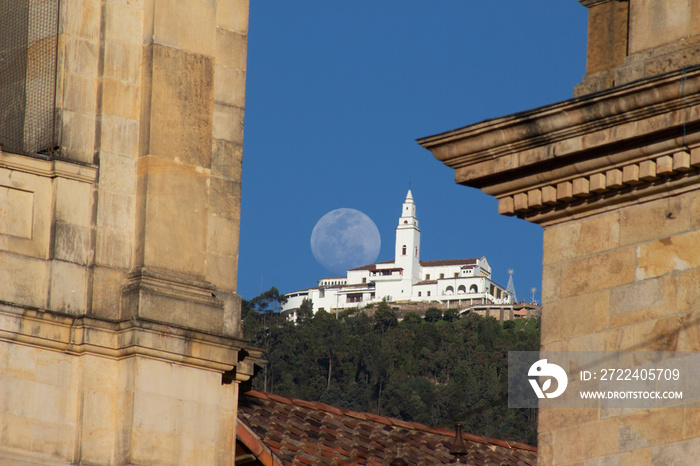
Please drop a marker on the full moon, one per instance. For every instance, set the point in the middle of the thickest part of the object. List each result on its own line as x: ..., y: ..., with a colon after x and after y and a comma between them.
x: 344, y: 239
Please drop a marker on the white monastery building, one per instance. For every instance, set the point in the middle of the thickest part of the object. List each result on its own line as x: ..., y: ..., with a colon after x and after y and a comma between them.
x: 454, y: 283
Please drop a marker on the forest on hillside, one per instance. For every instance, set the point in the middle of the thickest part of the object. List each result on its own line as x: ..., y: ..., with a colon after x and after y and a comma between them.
x: 435, y: 370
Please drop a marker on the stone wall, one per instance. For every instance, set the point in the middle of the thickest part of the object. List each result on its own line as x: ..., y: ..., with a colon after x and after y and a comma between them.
x: 614, y: 179
x: 120, y: 339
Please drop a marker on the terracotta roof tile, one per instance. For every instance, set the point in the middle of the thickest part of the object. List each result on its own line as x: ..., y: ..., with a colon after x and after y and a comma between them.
x: 312, y: 433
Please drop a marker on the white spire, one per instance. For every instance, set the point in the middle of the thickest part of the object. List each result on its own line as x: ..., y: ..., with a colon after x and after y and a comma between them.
x: 510, y: 288
x: 409, y: 196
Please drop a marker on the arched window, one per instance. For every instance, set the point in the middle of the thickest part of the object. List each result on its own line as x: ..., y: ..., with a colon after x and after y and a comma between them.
x: 473, y: 289
x: 403, y: 250
x: 449, y: 291
x: 462, y: 289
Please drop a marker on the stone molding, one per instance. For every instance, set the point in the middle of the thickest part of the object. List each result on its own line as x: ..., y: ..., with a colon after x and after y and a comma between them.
x: 83, y: 172
x: 655, y: 177
x: 127, y: 338
x: 592, y: 3
x: 585, y: 154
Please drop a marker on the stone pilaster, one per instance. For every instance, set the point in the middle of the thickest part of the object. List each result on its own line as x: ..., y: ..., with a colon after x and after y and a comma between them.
x: 120, y: 339
x: 614, y: 179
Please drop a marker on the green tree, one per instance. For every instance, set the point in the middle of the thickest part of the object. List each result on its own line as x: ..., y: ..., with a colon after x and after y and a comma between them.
x: 385, y: 317
x: 451, y: 315
x: 305, y: 312
x: 433, y: 314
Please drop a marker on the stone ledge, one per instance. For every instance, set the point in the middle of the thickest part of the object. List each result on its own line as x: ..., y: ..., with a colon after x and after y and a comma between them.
x: 559, y: 131
x: 82, y: 172
x: 127, y: 338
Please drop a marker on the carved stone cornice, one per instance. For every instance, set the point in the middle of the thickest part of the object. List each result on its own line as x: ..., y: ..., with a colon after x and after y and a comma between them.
x: 591, y: 3
x: 54, y: 168
x: 583, y: 155
x: 127, y: 338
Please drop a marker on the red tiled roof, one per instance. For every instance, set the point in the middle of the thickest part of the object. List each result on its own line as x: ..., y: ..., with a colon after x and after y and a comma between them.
x: 300, y: 432
x: 449, y: 262
x: 372, y: 266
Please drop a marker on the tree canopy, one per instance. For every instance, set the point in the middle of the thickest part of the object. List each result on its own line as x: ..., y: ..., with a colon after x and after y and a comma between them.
x: 436, y: 372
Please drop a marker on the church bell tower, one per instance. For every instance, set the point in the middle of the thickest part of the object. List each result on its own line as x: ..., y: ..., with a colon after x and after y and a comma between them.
x: 407, y: 248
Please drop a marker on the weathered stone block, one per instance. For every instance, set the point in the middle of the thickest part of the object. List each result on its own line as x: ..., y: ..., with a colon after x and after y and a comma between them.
x: 115, y: 211
x: 570, y: 240
x: 119, y: 135
x: 80, y: 58
x: 73, y: 202
x: 565, y: 191
x: 79, y: 93
x: 228, y: 123
x: 549, y: 195
x: 630, y: 175
x: 607, y: 36
x: 657, y: 335
x: 225, y: 198
x: 675, y: 452
x: 72, y: 243
x: 644, y: 300
x: 113, y: 248
x: 24, y: 280
x: 578, y: 315
x: 597, y: 183
x: 124, y: 22
x: 664, y: 165
x: 16, y: 219
x: 647, y: 170
x: 120, y: 99
x: 231, y: 49
x: 173, y: 242
x: 534, y: 198
x: 117, y: 175
x: 81, y: 19
x: 667, y: 255
x: 226, y: 160
x: 68, y: 288
x: 688, y: 290
x: 681, y: 161
x: 689, y: 335
x: 181, y: 106
x: 649, y: 428
x: 613, y: 178
x: 222, y: 236
x: 520, y: 202
x: 186, y: 25
x: 656, y: 219
x: 222, y: 271
x: 653, y: 24
x: 586, y: 440
x: 78, y: 136
x: 122, y: 62
x: 233, y: 15
x: 506, y: 206
x: 581, y: 187
x: 229, y: 86
x: 605, y: 270
x: 106, y: 291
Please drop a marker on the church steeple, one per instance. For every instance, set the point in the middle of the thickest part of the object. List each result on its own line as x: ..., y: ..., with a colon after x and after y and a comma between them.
x: 407, y: 249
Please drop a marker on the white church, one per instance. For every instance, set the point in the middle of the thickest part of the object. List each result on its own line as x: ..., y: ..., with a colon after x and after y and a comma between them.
x: 453, y: 283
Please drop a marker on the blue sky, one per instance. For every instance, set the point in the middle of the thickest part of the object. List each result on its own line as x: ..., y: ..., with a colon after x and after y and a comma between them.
x: 337, y: 93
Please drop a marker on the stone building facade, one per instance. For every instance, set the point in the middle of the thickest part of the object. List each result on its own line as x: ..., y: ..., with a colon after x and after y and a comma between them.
x: 613, y: 177
x: 120, y: 336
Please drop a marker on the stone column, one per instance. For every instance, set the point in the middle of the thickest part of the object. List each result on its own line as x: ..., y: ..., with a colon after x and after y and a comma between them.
x: 120, y: 338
